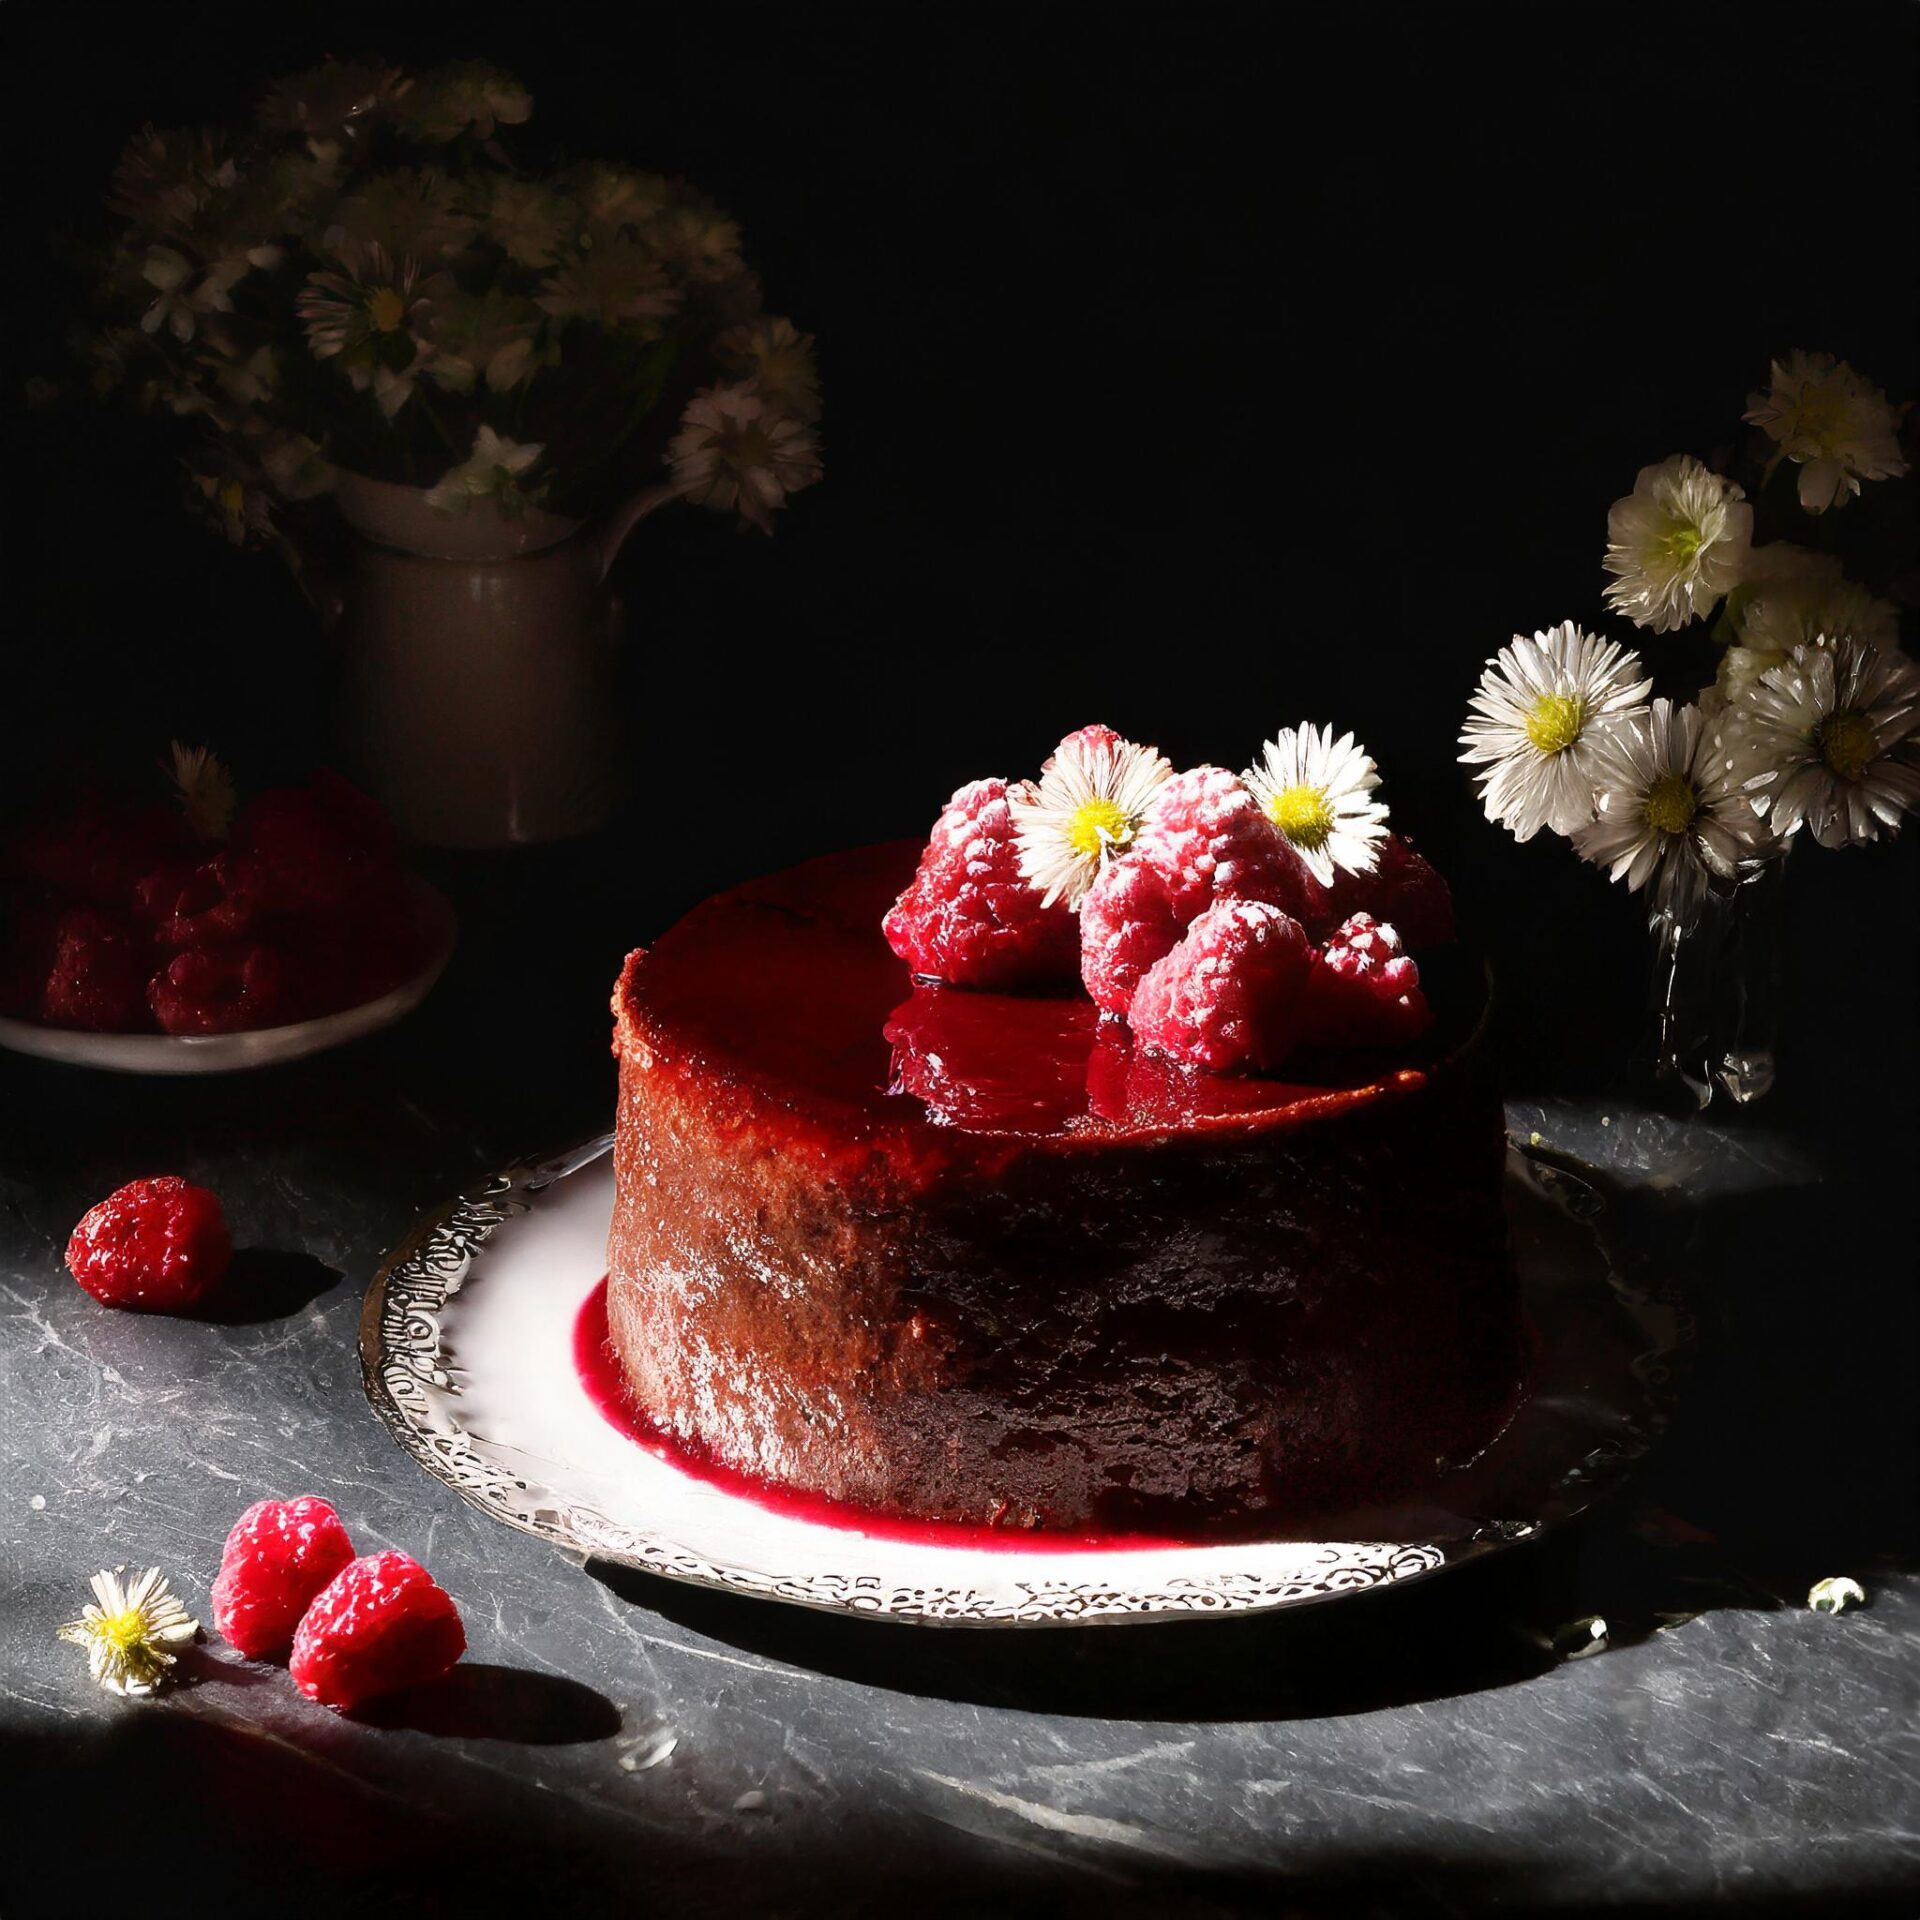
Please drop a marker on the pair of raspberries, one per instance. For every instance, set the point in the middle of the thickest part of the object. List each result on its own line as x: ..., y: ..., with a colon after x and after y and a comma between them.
x: 357, y: 1628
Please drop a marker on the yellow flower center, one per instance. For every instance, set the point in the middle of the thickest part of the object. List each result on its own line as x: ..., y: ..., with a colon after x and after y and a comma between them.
x: 1820, y: 414
x: 1681, y: 545
x: 1671, y: 803
x: 123, y: 1632
x: 233, y: 497
x: 1096, y: 824
x: 387, y: 310
x: 1846, y: 743
x: 1302, y: 814
x: 1557, y: 721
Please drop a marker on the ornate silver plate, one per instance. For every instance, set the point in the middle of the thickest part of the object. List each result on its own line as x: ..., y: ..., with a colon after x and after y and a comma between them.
x: 467, y: 1349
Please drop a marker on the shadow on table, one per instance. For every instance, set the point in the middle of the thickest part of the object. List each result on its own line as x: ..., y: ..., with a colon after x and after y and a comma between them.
x: 264, y: 1283
x: 292, y: 1822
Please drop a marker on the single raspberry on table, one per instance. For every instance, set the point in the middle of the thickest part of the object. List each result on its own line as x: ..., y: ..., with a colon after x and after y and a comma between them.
x: 1232, y: 993
x: 278, y: 1557
x: 156, y: 1246
x: 1365, y: 990
x: 380, y: 1624
x: 969, y: 916
x: 98, y: 976
x: 226, y: 989
x: 1403, y: 889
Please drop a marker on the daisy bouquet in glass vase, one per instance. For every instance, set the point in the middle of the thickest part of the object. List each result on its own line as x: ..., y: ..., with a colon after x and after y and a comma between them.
x: 1807, y: 726
x: 364, y: 279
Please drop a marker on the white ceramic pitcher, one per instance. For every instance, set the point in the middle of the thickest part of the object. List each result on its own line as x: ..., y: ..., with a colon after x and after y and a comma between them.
x: 479, y: 657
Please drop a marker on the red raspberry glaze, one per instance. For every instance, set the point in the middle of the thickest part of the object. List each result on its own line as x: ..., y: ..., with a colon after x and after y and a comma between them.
x: 381, y: 1624
x: 1232, y: 993
x: 278, y: 1557
x: 155, y: 1246
x: 969, y: 916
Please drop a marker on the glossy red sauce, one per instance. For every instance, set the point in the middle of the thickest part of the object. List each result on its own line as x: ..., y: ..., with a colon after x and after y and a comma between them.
x: 786, y: 987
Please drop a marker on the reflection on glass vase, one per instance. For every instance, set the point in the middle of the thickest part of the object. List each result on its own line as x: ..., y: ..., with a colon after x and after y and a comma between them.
x: 1715, y: 993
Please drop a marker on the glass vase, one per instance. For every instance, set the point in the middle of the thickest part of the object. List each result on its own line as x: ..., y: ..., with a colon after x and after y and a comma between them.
x: 1715, y: 992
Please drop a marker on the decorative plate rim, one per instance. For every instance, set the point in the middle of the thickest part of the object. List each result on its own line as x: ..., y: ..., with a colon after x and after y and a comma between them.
x: 399, y: 1362
x: 162, y: 1055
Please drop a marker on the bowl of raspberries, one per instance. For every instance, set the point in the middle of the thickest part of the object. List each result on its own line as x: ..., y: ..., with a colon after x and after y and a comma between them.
x: 207, y: 936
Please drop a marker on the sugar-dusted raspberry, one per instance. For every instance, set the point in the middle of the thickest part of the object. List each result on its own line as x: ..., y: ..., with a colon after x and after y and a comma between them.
x: 98, y: 976
x: 1206, y: 833
x: 278, y: 1557
x: 156, y: 1246
x: 1232, y: 993
x: 1365, y: 990
x: 1403, y: 890
x: 1128, y: 921
x: 381, y: 1623
x: 969, y: 917
x: 224, y: 989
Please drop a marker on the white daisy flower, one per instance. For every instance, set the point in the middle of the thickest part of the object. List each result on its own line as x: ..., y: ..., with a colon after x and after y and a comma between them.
x: 1823, y: 741
x: 778, y: 358
x: 183, y: 293
x: 1676, y: 544
x: 1541, y: 709
x: 619, y: 284
x: 467, y: 97
x: 205, y: 788
x: 1087, y: 805
x: 1319, y: 792
x: 129, y: 1631
x: 1835, y: 426
x: 733, y: 450
x: 1670, y: 808
x: 491, y: 472
x: 371, y: 319
x: 1791, y: 596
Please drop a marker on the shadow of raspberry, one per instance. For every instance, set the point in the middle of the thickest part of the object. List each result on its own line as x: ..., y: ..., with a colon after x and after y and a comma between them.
x: 481, y: 1702
x: 265, y: 1283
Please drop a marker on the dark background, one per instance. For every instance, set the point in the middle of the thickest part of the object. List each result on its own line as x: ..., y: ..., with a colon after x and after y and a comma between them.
x: 1198, y: 369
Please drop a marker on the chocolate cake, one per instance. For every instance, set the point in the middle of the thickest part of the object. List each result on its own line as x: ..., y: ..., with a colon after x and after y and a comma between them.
x: 981, y: 1256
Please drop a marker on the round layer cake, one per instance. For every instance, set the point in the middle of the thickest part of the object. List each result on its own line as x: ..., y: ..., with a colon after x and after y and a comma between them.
x: 954, y: 1255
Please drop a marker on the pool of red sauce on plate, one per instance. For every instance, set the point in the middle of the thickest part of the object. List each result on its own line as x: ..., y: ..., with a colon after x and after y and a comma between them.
x: 600, y: 1375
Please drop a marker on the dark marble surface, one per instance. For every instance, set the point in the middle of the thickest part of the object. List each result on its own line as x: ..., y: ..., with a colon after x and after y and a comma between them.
x: 610, y: 1736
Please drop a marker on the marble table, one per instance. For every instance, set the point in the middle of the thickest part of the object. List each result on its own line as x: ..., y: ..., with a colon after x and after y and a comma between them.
x: 610, y: 1736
